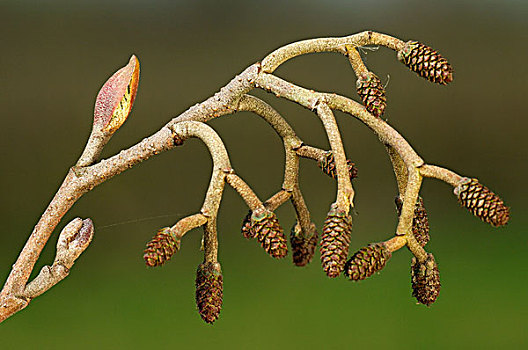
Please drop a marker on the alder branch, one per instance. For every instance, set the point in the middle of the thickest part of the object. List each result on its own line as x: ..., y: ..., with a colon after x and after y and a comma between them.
x: 309, y: 99
x: 247, y: 194
x: 345, y: 192
x: 400, y: 170
x: 440, y: 173
x: 114, y: 103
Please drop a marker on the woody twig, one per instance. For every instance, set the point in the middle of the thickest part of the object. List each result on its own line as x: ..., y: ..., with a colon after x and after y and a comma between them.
x: 114, y: 103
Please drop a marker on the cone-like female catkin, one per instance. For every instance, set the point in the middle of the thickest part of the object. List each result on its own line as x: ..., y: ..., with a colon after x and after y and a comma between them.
x: 425, y: 61
x: 425, y: 280
x: 263, y: 225
x: 372, y: 92
x: 420, y: 225
x: 161, y: 248
x: 335, y: 241
x: 368, y: 260
x: 483, y: 203
x: 246, y: 227
x: 303, y: 244
x: 209, y: 291
x: 327, y: 165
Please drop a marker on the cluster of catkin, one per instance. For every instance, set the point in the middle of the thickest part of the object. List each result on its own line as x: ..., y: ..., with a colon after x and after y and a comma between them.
x: 334, y: 242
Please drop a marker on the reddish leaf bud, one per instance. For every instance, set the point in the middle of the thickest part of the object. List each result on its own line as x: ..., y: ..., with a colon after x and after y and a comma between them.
x: 116, y: 97
x: 85, y: 234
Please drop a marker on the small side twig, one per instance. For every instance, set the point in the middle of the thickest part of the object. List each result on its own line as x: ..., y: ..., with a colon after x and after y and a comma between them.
x: 345, y: 192
x: 400, y: 170
x: 440, y: 173
x: 247, y: 194
x: 73, y: 241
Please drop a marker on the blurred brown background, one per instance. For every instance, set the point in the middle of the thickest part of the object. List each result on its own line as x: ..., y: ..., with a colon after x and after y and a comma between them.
x: 55, y: 55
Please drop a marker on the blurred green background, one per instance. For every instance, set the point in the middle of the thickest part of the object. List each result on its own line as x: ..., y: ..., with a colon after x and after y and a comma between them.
x: 54, y: 57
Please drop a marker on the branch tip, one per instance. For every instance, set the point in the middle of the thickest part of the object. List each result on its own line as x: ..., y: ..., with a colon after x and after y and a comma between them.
x: 73, y: 240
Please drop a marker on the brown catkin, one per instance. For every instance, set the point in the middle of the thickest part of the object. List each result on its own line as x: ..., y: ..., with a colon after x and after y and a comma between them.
x: 327, y: 165
x: 303, y: 244
x: 426, y: 62
x: 161, y: 248
x: 372, y: 92
x: 483, y: 203
x: 367, y: 261
x: 420, y: 225
x: 335, y: 241
x: 263, y: 225
x: 246, y: 227
x: 209, y: 291
x: 425, y: 280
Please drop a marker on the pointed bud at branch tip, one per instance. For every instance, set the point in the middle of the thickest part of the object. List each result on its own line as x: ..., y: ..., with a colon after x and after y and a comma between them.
x: 116, y: 97
x: 426, y: 62
x: 481, y: 202
x: 161, y: 248
x: 77, y: 234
